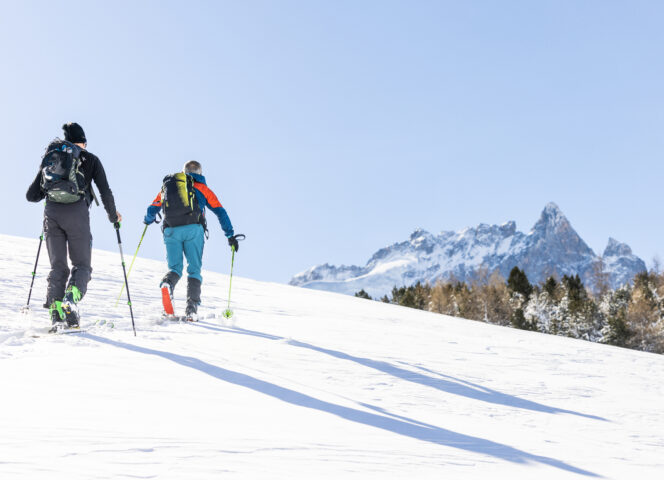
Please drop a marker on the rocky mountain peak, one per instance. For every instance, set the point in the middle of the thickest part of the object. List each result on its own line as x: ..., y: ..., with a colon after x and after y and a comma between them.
x: 616, y: 249
x: 422, y: 240
x: 554, y: 233
x: 508, y: 228
x: 419, y: 233
x: 551, y: 220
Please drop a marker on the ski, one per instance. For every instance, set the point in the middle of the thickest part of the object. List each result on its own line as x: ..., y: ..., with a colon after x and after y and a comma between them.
x: 178, y: 318
x: 166, y: 300
x: 61, y: 330
x: 71, y: 330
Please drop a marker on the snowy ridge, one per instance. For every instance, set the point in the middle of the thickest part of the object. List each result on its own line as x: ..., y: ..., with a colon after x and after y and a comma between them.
x: 307, y: 384
x: 621, y: 262
x: 552, y: 247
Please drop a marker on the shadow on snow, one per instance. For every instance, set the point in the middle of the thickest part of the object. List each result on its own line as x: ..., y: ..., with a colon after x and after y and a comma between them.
x: 391, y: 423
x: 446, y: 384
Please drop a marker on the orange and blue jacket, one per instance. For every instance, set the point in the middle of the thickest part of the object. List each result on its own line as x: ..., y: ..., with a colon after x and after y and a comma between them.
x: 205, y: 198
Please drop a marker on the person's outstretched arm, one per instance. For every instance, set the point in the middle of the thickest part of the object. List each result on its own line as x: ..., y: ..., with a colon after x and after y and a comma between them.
x: 99, y: 177
x: 153, y: 210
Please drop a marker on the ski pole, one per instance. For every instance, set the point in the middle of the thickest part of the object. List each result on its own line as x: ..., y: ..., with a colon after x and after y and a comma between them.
x: 131, y: 265
x: 34, y: 272
x: 228, y: 313
x: 124, y: 270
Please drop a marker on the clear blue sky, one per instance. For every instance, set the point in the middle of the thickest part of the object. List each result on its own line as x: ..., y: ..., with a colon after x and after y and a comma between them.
x: 331, y: 129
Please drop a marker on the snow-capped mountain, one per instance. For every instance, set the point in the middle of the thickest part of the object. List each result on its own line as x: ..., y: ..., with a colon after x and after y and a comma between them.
x: 552, y: 247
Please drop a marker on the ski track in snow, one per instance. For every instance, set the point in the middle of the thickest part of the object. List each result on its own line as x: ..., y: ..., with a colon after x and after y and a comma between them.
x: 302, y: 383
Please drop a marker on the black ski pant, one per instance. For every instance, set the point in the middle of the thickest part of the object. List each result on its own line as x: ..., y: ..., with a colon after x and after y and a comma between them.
x: 67, y: 227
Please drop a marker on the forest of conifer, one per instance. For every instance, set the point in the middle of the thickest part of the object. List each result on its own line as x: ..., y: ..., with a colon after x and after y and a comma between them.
x: 631, y: 316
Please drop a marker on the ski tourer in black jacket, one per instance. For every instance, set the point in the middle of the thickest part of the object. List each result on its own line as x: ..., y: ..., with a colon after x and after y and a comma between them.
x: 67, y: 229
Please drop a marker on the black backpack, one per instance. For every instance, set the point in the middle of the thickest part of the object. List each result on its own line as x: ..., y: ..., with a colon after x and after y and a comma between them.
x: 62, y: 180
x: 179, y: 202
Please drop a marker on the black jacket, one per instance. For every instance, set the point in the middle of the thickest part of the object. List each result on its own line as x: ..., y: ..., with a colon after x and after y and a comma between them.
x: 92, y: 169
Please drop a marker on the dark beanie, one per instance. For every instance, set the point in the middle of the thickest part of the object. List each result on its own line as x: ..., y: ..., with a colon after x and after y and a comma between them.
x: 74, y: 133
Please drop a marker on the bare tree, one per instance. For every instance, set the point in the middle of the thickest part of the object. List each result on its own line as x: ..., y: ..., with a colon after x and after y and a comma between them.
x: 656, y: 265
x: 600, y: 278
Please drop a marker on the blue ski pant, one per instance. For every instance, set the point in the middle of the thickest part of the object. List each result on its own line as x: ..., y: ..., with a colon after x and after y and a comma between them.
x: 188, y: 240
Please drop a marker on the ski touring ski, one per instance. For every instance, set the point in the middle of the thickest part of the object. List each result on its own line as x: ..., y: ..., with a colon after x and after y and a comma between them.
x: 179, y: 318
x: 62, y: 329
x: 167, y: 300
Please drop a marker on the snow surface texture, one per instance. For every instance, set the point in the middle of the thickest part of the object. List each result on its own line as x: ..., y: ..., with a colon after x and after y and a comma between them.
x: 551, y: 247
x: 307, y: 384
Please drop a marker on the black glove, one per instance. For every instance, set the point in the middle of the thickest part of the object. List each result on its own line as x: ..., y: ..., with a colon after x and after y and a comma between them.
x: 113, y: 217
x: 232, y: 241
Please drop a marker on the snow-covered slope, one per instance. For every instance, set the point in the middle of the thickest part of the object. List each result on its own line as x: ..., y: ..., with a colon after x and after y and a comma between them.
x: 308, y: 384
x: 552, y: 247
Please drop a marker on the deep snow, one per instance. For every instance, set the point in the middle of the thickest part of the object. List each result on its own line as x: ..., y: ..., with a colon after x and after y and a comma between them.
x: 306, y: 384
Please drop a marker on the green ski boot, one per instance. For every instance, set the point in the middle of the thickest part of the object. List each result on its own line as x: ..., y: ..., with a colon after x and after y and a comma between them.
x: 72, y: 297
x: 57, y: 316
